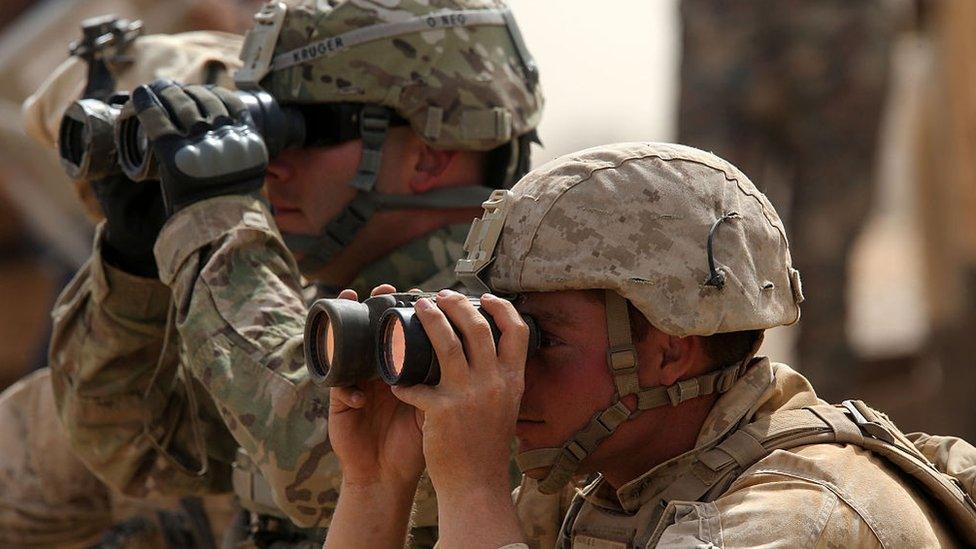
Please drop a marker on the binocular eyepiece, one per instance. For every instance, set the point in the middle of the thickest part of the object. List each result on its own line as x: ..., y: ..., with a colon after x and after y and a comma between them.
x: 96, y: 140
x: 347, y: 341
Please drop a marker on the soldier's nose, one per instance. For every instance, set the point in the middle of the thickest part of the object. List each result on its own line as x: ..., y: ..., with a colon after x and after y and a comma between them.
x: 279, y: 172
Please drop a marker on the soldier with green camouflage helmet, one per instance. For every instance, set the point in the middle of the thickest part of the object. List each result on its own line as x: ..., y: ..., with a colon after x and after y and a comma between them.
x: 415, y: 112
x: 650, y: 272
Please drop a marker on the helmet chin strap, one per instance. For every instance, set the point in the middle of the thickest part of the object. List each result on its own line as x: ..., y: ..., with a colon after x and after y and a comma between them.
x: 317, y: 250
x: 622, y: 361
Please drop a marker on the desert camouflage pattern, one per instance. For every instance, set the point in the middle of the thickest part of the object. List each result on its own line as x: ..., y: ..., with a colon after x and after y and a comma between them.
x: 239, y: 320
x: 540, y: 515
x: 189, y: 57
x: 460, y: 88
x: 635, y: 218
x: 819, y: 495
x: 48, y: 498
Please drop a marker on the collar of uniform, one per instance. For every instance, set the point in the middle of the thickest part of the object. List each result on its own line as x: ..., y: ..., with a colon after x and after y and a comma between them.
x: 745, y: 397
x: 416, y: 263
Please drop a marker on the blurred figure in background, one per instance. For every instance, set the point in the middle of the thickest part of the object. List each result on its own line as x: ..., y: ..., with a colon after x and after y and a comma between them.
x: 44, y: 234
x: 792, y: 92
x: 945, y: 188
x: 48, y: 497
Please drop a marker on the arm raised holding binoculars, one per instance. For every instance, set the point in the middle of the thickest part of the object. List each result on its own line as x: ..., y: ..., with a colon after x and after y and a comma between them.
x: 114, y: 376
x: 377, y: 439
x: 468, y: 427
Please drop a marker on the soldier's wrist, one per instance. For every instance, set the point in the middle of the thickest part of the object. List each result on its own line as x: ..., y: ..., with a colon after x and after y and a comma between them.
x: 135, y: 262
x: 393, y: 488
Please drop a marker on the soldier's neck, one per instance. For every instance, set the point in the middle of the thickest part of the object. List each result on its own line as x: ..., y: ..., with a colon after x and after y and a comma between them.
x: 385, y: 232
x: 653, y: 438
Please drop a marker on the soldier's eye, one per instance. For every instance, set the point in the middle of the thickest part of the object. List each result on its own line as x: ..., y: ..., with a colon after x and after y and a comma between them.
x: 546, y: 340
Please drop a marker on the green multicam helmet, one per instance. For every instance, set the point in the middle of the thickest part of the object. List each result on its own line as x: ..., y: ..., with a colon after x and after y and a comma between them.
x: 457, y: 71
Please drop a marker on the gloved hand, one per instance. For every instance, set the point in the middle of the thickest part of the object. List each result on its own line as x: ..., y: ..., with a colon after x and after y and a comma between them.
x: 134, y: 215
x: 204, y: 142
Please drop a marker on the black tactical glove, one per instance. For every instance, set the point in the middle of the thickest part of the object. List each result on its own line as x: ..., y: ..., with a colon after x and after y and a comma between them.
x: 134, y: 214
x: 204, y: 142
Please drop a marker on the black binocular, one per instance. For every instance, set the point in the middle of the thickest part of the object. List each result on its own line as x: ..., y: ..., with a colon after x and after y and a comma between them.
x: 96, y: 140
x: 347, y: 341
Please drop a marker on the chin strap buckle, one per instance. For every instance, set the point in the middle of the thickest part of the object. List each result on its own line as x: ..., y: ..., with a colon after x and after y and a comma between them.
x: 374, y: 121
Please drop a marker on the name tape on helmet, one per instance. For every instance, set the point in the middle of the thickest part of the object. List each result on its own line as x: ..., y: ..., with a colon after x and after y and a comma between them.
x: 433, y: 21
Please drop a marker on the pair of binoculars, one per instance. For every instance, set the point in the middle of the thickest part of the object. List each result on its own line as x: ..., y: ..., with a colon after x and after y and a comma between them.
x: 95, y: 140
x: 347, y: 341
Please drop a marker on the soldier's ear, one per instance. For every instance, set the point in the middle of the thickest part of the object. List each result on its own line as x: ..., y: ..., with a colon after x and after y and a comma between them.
x: 430, y: 167
x: 680, y: 358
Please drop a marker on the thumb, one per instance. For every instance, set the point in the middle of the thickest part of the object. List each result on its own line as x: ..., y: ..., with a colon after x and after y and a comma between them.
x: 422, y: 397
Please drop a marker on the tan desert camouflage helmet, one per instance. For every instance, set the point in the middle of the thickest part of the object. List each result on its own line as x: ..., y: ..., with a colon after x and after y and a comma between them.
x: 457, y: 71
x: 200, y: 57
x: 680, y: 233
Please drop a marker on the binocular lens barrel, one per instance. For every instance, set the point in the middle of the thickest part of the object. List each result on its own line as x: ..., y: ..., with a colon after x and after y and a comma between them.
x: 280, y: 127
x: 337, y: 332
x: 404, y: 353
x: 85, y: 140
x: 95, y: 140
x: 347, y: 342
x: 135, y: 158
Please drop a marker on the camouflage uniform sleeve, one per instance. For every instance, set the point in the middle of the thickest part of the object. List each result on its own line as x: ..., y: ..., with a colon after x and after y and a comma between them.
x: 47, y: 496
x: 107, y: 338
x: 241, y: 317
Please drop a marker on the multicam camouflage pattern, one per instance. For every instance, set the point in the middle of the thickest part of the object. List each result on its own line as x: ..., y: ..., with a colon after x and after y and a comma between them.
x: 792, y: 92
x: 635, y: 218
x: 239, y: 334
x: 820, y: 495
x: 460, y: 88
x: 49, y: 498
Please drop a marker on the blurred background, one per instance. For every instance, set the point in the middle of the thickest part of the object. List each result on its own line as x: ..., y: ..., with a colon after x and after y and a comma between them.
x: 857, y: 118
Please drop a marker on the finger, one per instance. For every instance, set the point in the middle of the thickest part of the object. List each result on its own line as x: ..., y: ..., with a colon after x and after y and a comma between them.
x: 234, y: 104
x: 446, y: 344
x: 181, y: 106
x: 479, y: 346
x: 153, y: 117
x: 210, y: 106
x: 382, y: 289
x: 344, y: 398
x: 415, y: 291
x: 514, y: 340
x: 348, y: 294
x: 421, y: 397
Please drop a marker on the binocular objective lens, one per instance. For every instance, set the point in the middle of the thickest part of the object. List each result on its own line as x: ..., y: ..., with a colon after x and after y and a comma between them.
x: 329, y: 343
x: 403, y: 351
x: 325, y: 345
x: 395, y: 345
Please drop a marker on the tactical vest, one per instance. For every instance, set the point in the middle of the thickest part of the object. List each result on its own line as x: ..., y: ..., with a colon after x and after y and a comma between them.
x: 715, y: 469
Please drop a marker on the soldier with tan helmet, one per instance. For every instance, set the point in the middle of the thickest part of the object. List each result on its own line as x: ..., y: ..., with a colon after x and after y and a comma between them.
x: 648, y: 273
x: 48, y: 497
x: 414, y: 112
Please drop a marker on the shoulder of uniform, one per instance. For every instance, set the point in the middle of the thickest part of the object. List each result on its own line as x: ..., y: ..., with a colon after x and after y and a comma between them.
x: 772, y: 503
x: 843, y: 493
